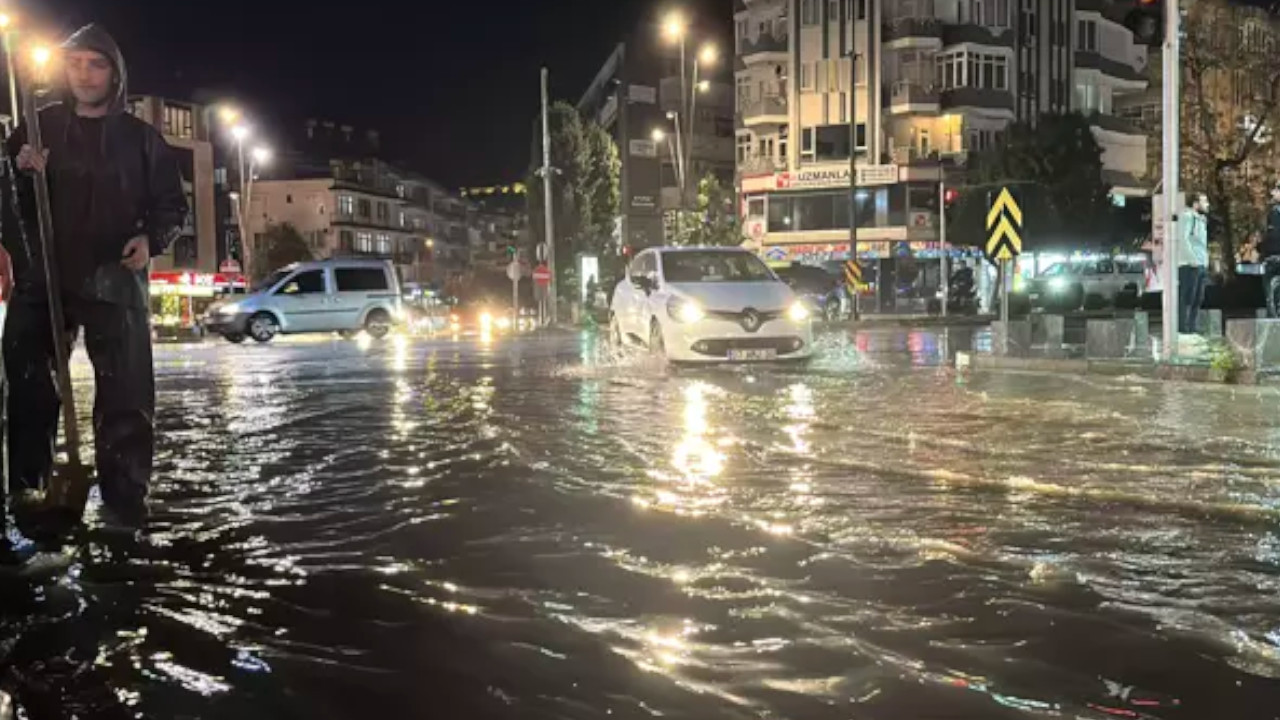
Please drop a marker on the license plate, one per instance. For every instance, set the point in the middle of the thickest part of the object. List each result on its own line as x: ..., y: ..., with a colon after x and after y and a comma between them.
x: 756, y: 354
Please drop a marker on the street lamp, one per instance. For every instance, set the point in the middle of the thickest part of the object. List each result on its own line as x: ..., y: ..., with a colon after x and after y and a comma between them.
x: 707, y: 56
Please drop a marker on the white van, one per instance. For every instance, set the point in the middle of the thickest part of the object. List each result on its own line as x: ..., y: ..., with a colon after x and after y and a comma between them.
x: 340, y: 295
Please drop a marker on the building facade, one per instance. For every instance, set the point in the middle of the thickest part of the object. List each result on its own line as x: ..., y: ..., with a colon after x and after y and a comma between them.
x: 185, y: 127
x: 638, y: 90
x: 923, y: 83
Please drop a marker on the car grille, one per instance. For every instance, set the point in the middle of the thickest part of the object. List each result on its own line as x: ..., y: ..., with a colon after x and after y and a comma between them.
x: 721, y: 347
x: 749, y: 319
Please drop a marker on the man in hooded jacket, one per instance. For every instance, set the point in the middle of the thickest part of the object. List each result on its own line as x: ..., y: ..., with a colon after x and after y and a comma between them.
x: 117, y: 200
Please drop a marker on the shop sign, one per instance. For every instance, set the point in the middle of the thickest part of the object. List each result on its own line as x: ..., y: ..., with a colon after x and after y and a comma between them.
x: 835, y: 177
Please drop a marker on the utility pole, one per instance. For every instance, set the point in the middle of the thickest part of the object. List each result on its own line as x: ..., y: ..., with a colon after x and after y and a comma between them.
x: 546, y: 201
x: 853, y: 56
x: 1172, y: 136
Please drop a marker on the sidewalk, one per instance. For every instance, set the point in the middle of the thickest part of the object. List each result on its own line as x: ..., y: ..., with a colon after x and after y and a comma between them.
x: 915, y: 321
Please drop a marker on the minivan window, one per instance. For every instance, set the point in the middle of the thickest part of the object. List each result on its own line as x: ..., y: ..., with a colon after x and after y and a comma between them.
x: 310, y: 282
x: 271, y: 280
x: 360, y: 279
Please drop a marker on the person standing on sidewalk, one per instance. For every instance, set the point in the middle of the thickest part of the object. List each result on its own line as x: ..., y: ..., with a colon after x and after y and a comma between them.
x: 1193, y: 270
x: 1269, y: 254
x: 117, y: 200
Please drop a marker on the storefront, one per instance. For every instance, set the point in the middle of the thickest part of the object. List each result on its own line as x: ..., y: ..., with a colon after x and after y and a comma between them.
x: 180, y: 299
x: 803, y: 216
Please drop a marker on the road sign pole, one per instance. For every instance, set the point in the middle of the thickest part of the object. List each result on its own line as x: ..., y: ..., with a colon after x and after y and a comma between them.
x: 548, y: 208
x: 1172, y: 82
x: 942, y: 242
x: 1005, y: 280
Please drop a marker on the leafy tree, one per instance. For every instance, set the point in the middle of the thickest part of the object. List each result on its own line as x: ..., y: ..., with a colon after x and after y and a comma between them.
x: 714, y: 221
x: 1230, y: 104
x: 279, y: 246
x: 585, y: 188
x: 1060, y: 156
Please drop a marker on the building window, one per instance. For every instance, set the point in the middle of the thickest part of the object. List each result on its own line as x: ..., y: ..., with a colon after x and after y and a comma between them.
x: 862, y: 9
x: 364, y: 208
x: 807, y: 150
x: 177, y: 122
x: 860, y: 136
x: 1087, y: 35
x: 744, y: 92
x: 364, y: 242
x: 783, y: 136
x: 925, y: 146
x: 809, y: 14
x: 288, y: 199
x: 833, y: 11
x: 744, y: 147
x: 972, y: 69
x: 383, y: 213
x: 345, y: 241
x: 1086, y: 97
x: 384, y: 244
x: 346, y: 206
x: 806, y: 76
x: 742, y: 37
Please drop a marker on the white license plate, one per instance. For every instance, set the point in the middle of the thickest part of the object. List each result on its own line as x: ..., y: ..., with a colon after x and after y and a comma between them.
x: 759, y: 354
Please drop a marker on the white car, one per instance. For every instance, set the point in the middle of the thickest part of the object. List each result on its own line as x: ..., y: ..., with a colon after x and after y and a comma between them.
x: 325, y: 296
x: 709, y: 305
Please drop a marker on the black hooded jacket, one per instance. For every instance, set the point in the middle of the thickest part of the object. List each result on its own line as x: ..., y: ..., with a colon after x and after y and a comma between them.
x: 110, y: 179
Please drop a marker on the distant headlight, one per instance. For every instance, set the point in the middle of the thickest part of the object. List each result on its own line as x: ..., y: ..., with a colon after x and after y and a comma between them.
x: 504, y: 323
x: 486, y: 319
x: 1058, y: 284
x: 231, y: 309
x: 798, y: 312
x: 685, y: 311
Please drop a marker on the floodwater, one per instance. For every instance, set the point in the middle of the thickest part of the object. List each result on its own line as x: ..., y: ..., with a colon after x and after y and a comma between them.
x: 533, y: 528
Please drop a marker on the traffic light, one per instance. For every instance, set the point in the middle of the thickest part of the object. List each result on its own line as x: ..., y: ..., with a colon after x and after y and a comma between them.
x: 949, y: 198
x: 511, y: 251
x: 1146, y: 21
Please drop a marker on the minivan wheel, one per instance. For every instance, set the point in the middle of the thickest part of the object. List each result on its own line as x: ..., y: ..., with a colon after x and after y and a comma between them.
x: 234, y: 338
x: 378, y: 324
x: 263, y: 327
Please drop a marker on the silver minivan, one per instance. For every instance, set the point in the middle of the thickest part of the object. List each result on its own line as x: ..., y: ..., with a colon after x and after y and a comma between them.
x: 340, y: 295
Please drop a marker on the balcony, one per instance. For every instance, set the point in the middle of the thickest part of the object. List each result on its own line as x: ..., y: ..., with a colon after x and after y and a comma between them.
x: 768, y: 110
x: 765, y: 44
x: 986, y: 98
x: 1087, y: 59
x: 917, y: 28
x: 909, y: 96
x: 760, y: 165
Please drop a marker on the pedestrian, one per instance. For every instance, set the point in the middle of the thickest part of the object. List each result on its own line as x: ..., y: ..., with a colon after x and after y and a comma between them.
x: 117, y: 200
x: 1193, y: 264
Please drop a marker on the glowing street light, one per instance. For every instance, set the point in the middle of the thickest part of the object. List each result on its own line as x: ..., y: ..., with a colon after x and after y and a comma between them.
x: 5, y: 20
x: 704, y: 86
x: 674, y: 26
x: 708, y: 55
x: 261, y: 155
x: 41, y: 55
x: 228, y: 114
x: 240, y: 133
x: 658, y: 135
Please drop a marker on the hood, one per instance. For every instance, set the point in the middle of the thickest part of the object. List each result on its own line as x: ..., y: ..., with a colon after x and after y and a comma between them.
x: 95, y: 38
x: 735, y: 297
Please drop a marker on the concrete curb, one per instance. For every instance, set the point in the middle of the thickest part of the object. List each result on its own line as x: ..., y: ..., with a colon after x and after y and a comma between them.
x: 1114, y: 368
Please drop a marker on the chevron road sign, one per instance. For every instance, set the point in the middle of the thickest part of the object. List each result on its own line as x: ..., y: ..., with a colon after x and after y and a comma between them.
x: 852, y: 275
x: 1004, y: 222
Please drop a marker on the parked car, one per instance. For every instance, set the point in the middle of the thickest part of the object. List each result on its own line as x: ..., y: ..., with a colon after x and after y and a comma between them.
x: 340, y: 295
x: 818, y: 289
x: 709, y: 305
x: 1097, y: 282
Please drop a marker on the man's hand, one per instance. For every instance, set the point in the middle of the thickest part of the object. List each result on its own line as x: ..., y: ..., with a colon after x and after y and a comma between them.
x: 6, y: 275
x: 29, y: 159
x: 137, y: 253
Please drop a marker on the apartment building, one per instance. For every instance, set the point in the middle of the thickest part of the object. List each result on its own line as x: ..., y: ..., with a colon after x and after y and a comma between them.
x: 637, y: 91
x: 185, y: 127
x: 370, y: 208
x: 924, y: 83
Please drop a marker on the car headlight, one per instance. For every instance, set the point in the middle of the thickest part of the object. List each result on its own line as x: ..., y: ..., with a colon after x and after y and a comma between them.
x: 798, y: 312
x: 231, y: 309
x: 1058, y: 284
x: 685, y: 311
x: 504, y: 323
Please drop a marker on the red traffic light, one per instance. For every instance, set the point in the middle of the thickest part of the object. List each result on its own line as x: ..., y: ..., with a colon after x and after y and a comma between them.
x: 950, y: 196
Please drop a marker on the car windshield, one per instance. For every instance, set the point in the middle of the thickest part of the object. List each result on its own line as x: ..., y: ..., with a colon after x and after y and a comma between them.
x: 714, y: 267
x: 1057, y: 269
x: 271, y: 280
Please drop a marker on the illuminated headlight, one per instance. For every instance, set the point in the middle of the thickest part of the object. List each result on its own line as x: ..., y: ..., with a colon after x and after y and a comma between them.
x: 798, y: 312
x: 486, y: 320
x: 231, y: 309
x: 685, y: 311
x: 1058, y: 284
x: 504, y: 323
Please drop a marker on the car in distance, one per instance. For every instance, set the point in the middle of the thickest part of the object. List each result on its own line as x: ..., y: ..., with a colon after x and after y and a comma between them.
x: 326, y: 296
x: 818, y: 289
x: 1090, y: 282
x: 709, y: 305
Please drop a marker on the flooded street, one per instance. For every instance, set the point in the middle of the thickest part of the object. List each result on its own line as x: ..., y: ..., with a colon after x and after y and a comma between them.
x: 533, y: 528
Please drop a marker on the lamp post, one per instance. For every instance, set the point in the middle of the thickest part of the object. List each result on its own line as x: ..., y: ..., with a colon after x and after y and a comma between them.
x: 7, y: 35
x: 706, y: 56
x: 241, y: 133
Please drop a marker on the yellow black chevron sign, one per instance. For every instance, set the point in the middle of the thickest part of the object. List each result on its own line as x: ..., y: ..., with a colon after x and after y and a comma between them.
x: 852, y: 274
x: 1004, y: 222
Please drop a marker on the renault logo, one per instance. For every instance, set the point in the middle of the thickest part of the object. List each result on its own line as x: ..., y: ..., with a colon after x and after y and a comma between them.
x: 750, y: 320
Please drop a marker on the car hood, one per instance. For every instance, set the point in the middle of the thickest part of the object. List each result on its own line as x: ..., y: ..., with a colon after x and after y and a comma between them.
x: 734, y: 297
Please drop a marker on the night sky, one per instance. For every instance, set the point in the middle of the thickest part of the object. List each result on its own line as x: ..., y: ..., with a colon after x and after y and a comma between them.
x: 452, y: 86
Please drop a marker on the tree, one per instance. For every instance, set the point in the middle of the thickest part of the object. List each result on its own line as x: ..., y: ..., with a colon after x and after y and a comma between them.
x: 714, y: 221
x: 585, y: 188
x: 1230, y: 102
x: 279, y: 246
x: 1061, y: 156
